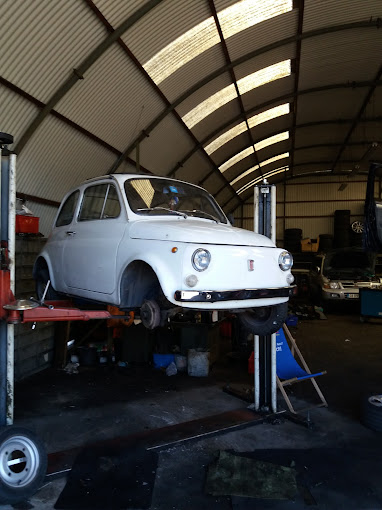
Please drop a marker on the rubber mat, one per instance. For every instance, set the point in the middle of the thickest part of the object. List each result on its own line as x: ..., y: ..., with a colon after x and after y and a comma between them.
x: 110, y: 478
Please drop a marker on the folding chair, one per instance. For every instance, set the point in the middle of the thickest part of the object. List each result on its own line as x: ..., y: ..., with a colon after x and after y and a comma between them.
x: 289, y: 370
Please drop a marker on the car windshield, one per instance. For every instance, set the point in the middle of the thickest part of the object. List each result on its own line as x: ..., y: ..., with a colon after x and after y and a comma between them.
x: 148, y: 196
x: 349, y: 263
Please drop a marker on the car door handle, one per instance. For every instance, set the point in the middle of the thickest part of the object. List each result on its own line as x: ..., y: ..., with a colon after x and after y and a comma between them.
x: 70, y: 232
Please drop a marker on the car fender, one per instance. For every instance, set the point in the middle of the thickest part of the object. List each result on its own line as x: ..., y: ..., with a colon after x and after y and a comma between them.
x: 167, y: 265
x: 45, y: 258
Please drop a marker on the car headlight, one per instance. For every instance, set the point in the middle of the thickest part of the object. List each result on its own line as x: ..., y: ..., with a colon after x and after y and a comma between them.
x: 201, y: 259
x: 285, y: 260
x: 334, y: 285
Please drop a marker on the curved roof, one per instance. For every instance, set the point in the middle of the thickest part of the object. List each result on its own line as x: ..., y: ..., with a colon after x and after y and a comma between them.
x: 221, y: 93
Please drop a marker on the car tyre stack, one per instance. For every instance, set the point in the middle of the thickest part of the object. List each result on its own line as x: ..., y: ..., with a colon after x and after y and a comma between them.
x: 341, y: 228
x: 371, y: 411
x: 292, y: 239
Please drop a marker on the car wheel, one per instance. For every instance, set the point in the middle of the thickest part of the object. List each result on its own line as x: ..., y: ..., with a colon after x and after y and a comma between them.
x: 150, y: 314
x: 23, y: 464
x: 42, y: 279
x: 371, y: 412
x: 264, y: 320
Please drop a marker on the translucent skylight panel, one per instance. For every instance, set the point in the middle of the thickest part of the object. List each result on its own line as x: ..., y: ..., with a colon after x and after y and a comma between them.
x: 236, y: 158
x: 233, y: 19
x: 270, y: 114
x: 246, y: 13
x: 183, y: 49
x: 271, y: 140
x: 262, y: 177
x: 209, y: 105
x: 249, y: 150
x: 263, y: 76
x: 223, y: 96
x: 227, y: 136
x: 256, y: 167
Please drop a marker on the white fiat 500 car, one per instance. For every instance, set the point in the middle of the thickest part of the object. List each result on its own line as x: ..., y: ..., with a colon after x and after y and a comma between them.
x: 158, y: 246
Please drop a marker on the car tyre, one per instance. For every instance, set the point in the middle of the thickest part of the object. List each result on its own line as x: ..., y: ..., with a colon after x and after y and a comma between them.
x: 371, y: 412
x: 23, y: 464
x: 42, y: 279
x: 264, y: 320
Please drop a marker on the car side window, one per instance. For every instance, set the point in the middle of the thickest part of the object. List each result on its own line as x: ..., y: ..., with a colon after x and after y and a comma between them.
x: 100, y: 202
x: 67, y: 211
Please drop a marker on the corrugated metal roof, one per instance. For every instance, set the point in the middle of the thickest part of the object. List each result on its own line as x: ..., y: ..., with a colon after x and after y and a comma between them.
x: 341, y: 57
x: 43, y: 41
x: 41, y: 45
x: 329, y: 13
x: 101, y: 101
x: 46, y: 173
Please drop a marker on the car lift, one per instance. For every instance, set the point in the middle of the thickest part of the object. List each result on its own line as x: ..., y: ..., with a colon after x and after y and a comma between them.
x: 264, y: 347
x: 23, y: 460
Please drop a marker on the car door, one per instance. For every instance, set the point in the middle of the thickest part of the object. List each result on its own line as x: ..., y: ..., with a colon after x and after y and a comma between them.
x: 92, y: 241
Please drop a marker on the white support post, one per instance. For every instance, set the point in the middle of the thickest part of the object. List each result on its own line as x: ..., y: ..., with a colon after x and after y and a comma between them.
x: 12, y: 255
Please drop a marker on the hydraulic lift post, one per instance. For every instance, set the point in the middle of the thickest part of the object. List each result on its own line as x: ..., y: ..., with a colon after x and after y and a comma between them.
x: 264, y: 347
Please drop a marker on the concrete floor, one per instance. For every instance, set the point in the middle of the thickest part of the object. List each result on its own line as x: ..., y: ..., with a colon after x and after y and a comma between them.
x: 98, y: 404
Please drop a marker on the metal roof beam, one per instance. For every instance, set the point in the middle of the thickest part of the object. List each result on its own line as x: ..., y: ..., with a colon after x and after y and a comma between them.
x: 300, y: 24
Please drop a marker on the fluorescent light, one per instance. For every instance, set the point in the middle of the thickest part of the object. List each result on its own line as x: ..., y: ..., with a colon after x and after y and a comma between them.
x: 225, y: 95
x: 262, y: 164
x: 262, y: 177
x: 249, y: 150
x: 233, y: 19
x: 231, y: 133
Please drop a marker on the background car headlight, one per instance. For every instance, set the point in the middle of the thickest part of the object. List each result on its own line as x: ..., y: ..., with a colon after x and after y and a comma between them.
x: 285, y: 260
x: 334, y: 285
x: 201, y: 259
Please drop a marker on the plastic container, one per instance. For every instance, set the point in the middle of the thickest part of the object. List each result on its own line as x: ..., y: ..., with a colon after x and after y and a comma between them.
x: 162, y: 360
x: 27, y: 224
x: 181, y: 362
x: 198, y: 363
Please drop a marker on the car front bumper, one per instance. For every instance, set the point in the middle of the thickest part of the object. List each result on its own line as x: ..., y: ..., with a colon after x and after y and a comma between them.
x: 214, y: 296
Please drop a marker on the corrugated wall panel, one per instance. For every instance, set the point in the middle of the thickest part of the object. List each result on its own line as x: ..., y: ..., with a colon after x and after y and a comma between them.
x: 43, y: 41
x: 321, y: 134
x: 347, y: 56
x: 310, y: 204
x: 46, y: 173
x: 102, y: 102
x: 266, y: 94
x: 328, y: 13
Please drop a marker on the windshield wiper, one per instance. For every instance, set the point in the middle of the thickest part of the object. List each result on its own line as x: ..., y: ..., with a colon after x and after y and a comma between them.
x: 209, y: 216
x: 162, y: 209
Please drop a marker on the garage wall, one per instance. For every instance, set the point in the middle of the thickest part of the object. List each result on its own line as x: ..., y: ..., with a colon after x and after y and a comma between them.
x: 309, y: 204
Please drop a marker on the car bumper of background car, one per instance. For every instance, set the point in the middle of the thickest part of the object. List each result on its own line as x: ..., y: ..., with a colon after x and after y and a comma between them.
x: 213, y: 296
x: 340, y: 294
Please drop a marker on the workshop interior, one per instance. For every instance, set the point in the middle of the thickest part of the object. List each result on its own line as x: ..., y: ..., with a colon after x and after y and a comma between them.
x: 191, y: 254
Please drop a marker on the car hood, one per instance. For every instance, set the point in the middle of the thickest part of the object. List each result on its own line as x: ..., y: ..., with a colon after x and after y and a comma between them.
x: 196, y: 231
